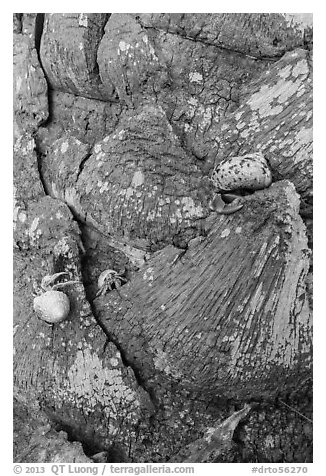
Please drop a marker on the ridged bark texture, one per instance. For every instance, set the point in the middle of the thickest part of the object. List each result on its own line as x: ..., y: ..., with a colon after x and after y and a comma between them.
x: 120, y: 120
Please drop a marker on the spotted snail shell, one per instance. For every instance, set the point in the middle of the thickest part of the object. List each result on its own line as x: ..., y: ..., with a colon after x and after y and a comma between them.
x: 52, y: 306
x: 249, y: 172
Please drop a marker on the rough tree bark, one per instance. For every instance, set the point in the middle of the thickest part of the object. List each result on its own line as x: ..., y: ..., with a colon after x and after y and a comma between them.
x: 120, y: 120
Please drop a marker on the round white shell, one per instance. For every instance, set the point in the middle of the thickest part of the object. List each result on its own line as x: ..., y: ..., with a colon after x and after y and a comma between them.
x: 249, y: 171
x: 52, y: 306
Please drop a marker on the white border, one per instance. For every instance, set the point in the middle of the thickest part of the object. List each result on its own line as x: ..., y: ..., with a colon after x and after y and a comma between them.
x: 319, y: 207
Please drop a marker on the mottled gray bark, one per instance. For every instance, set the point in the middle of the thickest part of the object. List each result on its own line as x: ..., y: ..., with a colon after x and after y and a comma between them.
x: 119, y: 122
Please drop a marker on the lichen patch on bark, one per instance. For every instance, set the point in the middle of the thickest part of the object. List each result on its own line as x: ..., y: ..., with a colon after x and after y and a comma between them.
x: 90, y: 384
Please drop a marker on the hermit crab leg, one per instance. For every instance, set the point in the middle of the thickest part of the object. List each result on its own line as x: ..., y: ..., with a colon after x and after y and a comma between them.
x: 48, y: 280
x: 99, y: 292
x: 61, y: 285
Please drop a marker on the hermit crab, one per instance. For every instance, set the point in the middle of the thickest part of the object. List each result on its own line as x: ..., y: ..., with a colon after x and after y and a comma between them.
x: 247, y: 173
x: 107, y: 280
x: 226, y: 204
x: 52, y: 305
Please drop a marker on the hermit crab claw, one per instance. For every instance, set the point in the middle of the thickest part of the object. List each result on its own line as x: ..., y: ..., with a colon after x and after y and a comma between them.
x: 49, y: 280
x: 229, y: 197
x: 219, y: 206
